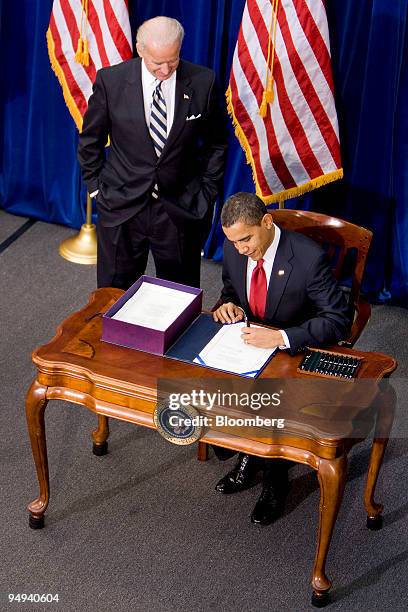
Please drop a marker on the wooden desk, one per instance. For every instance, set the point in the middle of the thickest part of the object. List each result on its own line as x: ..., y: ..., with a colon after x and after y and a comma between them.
x: 122, y: 383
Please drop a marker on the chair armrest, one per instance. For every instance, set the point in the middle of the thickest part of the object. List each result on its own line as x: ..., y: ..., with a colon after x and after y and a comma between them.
x: 362, y: 314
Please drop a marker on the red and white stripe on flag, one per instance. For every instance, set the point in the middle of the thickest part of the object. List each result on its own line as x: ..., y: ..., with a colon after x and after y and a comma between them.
x: 295, y: 146
x: 83, y: 36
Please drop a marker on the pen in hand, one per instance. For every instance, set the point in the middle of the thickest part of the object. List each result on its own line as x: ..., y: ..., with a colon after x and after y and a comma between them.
x: 246, y: 321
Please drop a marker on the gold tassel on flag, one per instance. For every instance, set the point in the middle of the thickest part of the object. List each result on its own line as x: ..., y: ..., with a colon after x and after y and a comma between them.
x: 82, y: 52
x: 78, y: 54
x: 267, y: 95
x: 85, y: 55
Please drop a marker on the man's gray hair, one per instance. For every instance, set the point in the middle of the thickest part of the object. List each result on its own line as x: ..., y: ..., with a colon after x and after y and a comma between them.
x: 244, y: 207
x: 161, y: 31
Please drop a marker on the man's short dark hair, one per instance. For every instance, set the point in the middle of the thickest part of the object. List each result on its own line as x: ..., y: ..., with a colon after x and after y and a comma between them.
x: 245, y: 207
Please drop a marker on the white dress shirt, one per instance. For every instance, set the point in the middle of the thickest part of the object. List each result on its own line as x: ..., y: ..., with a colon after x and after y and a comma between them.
x: 269, y: 259
x: 168, y: 87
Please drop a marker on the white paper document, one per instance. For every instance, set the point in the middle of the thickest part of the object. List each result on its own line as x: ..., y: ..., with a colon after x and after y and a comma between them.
x: 154, y: 306
x: 227, y: 351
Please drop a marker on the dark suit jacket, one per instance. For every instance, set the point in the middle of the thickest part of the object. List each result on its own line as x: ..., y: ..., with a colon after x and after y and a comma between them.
x: 305, y: 301
x: 191, y: 165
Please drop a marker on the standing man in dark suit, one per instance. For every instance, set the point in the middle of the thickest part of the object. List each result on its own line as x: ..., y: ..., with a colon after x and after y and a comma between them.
x: 157, y: 186
x: 283, y: 279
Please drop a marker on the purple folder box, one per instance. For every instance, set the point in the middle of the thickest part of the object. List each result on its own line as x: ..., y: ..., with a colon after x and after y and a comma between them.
x: 144, y: 338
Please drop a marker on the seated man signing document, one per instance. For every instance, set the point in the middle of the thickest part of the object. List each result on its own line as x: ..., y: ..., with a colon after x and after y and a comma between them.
x: 283, y: 279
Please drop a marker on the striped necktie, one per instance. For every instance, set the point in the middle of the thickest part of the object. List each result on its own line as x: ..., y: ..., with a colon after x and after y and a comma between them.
x: 158, y: 126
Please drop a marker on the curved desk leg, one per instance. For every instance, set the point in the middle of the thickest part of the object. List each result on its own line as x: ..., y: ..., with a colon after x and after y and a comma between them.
x: 100, y: 436
x: 36, y: 403
x: 332, y: 476
x: 385, y: 418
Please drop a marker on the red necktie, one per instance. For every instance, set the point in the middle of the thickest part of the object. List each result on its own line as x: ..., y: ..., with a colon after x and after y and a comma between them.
x: 258, y: 290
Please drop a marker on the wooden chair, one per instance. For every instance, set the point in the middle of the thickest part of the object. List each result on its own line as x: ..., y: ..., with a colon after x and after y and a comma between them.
x: 347, y: 246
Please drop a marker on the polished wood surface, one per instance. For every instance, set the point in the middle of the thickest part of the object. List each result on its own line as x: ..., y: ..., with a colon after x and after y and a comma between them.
x: 122, y: 383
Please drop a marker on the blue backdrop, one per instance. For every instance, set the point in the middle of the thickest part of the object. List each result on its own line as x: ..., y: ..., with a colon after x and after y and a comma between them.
x: 39, y: 175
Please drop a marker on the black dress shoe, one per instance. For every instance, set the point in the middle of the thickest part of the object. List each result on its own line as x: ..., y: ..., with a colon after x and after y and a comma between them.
x: 241, y: 477
x: 271, y: 503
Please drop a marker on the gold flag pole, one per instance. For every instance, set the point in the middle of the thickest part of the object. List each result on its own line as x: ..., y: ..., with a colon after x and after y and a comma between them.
x: 81, y: 248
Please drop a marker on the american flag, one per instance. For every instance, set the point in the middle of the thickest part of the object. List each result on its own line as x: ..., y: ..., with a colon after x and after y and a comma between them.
x: 281, y: 97
x: 83, y: 36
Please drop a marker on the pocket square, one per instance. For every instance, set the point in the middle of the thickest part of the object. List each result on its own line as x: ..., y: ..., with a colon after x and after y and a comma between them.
x: 193, y: 117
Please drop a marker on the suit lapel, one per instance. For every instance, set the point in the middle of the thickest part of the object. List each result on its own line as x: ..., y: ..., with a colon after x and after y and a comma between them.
x: 242, y: 262
x: 281, y: 270
x: 183, y: 96
x: 133, y: 98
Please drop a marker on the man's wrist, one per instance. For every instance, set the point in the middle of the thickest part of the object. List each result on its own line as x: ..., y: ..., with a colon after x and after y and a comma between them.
x: 286, y: 343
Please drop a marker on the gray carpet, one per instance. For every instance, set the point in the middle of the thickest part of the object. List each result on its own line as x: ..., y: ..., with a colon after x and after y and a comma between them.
x: 142, y: 528
x: 9, y: 224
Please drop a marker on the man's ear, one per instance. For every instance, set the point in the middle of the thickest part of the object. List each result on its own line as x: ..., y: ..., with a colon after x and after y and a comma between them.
x: 267, y: 220
x: 139, y: 49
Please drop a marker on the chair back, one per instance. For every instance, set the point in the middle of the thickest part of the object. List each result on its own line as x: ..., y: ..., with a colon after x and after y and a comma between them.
x: 346, y: 244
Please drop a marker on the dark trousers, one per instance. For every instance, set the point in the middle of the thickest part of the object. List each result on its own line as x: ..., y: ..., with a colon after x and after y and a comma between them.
x: 123, y: 250
x: 274, y: 470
